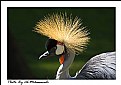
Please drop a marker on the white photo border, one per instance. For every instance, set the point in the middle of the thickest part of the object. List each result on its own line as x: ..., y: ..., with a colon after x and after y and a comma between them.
x: 5, y: 4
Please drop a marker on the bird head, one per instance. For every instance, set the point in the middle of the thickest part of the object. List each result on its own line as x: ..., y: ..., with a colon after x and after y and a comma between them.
x: 63, y: 32
x: 54, y: 48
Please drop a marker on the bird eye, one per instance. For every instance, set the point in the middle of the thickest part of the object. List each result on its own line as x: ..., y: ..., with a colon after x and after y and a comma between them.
x: 59, y: 49
x: 50, y: 44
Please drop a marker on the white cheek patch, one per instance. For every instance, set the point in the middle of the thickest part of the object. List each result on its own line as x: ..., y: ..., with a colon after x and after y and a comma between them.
x: 59, y: 50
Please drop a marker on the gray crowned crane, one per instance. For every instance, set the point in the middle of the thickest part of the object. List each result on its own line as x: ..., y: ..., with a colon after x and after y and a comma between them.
x: 67, y: 37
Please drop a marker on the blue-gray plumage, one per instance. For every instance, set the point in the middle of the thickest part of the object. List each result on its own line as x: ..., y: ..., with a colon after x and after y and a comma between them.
x: 101, y: 66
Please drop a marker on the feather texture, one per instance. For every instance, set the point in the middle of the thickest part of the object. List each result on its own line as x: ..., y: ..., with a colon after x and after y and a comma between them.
x: 65, y: 30
x: 102, y: 66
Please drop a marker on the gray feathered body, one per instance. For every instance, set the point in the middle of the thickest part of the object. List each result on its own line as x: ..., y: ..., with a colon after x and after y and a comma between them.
x: 101, y: 66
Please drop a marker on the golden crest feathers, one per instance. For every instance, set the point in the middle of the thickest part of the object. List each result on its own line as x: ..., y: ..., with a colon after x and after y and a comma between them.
x: 64, y: 29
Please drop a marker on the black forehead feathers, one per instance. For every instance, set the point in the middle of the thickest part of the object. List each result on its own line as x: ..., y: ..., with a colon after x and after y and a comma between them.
x: 50, y: 44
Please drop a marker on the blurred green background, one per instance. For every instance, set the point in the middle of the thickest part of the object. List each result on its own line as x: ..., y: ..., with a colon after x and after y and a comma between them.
x: 25, y: 46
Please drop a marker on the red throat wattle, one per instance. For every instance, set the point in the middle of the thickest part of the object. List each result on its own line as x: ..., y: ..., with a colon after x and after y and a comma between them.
x: 61, y: 59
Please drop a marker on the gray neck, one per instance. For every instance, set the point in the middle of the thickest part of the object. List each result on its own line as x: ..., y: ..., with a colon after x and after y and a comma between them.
x: 63, y: 71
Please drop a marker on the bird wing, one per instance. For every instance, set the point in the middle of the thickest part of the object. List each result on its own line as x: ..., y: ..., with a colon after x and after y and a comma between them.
x: 102, y: 66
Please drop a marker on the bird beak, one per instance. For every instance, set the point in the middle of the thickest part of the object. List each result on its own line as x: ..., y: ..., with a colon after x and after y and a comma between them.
x: 44, y: 55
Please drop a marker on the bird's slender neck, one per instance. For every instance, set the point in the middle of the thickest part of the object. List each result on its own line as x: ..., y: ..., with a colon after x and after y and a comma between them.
x: 63, y: 71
